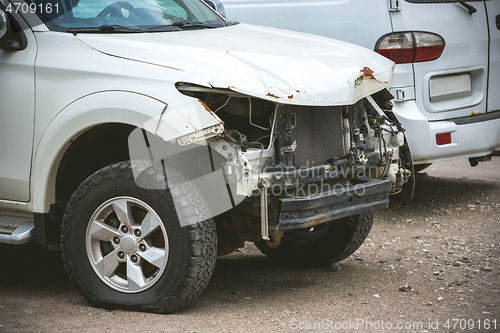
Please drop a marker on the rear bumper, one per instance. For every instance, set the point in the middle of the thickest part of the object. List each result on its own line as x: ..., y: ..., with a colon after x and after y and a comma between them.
x: 470, y: 136
x: 303, y: 212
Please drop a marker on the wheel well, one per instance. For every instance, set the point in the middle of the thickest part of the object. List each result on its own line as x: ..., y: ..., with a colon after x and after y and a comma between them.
x: 99, y: 146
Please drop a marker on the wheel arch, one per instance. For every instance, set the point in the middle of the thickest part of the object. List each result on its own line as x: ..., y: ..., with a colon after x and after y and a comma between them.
x: 86, y: 120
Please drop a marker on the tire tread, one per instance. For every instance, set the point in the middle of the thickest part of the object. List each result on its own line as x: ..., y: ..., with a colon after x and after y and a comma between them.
x: 197, y: 269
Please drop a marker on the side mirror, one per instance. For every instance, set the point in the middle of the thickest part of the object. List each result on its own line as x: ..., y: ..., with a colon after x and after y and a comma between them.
x: 3, y: 23
x: 12, y: 37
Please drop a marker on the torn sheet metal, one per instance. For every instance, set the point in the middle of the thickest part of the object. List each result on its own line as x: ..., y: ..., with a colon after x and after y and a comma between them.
x: 188, y: 122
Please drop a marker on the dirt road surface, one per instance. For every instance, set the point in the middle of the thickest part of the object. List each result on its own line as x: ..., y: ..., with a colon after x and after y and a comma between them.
x: 428, y: 265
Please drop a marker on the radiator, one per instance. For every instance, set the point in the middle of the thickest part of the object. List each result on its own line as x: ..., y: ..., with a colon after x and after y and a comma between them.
x: 318, y: 132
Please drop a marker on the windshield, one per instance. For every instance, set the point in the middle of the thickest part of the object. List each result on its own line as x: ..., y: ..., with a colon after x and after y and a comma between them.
x: 125, y: 16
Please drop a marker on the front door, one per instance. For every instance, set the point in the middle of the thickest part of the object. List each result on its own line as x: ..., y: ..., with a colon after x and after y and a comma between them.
x: 17, y: 115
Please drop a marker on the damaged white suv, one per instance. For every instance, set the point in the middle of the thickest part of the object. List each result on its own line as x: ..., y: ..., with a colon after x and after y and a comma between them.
x: 143, y: 137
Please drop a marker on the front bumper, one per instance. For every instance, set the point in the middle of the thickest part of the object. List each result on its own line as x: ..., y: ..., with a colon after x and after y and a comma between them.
x: 304, y: 212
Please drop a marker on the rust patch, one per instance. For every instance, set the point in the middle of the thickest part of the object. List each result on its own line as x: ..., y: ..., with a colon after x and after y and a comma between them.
x: 271, y: 95
x: 474, y: 113
x: 290, y: 97
x: 207, y: 108
x: 366, y: 73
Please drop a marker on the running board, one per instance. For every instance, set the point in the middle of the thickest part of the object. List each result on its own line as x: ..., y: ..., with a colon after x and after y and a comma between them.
x: 20, y: 232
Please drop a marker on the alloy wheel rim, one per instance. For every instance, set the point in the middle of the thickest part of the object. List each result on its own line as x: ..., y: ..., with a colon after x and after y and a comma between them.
x: 127, y: 244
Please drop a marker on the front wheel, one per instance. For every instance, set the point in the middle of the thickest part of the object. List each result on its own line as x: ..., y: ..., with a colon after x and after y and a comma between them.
x: 322, y: 244
x: 124, y: 246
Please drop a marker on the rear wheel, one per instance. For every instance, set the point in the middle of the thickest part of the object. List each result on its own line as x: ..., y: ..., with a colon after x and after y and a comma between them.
x: 124, y: 245
x: 323, y: 244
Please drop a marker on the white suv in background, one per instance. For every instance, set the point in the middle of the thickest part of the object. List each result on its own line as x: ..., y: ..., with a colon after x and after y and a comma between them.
x: 447, y: 78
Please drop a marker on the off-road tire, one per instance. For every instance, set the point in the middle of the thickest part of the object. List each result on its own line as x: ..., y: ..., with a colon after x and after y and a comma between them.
x: 334, y: 242
x: 192, y: 248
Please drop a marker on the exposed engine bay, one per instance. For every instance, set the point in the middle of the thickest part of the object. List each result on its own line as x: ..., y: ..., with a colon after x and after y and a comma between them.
x: 288, y: 166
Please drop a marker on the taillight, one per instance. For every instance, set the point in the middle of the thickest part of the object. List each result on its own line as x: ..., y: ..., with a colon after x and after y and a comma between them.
x: 407, y: 47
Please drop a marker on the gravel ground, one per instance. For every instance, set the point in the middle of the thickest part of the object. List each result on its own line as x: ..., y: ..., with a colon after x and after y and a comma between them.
x: 428, y: 262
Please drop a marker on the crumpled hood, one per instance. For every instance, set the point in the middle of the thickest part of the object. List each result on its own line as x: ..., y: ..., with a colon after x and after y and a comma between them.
x: 273, y: 64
